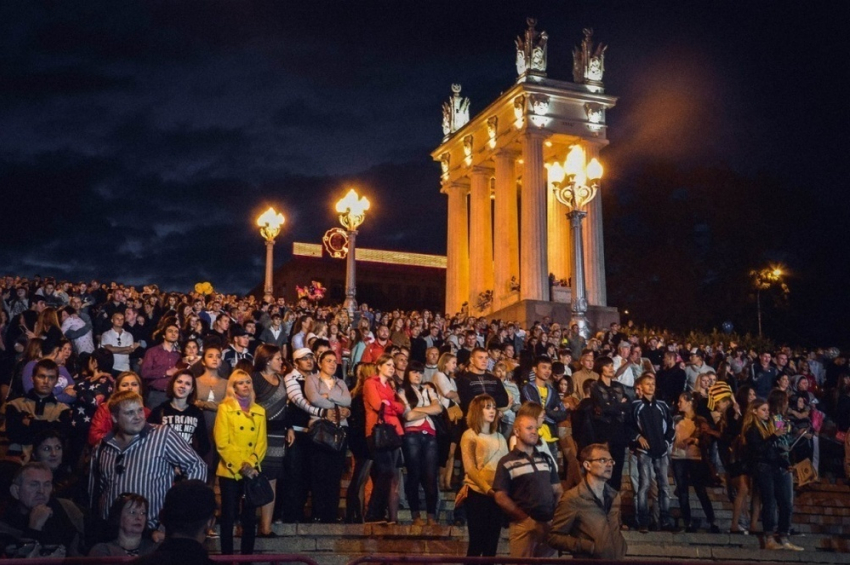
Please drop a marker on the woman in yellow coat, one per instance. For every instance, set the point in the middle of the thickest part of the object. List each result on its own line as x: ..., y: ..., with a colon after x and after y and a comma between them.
x: 240, y: 438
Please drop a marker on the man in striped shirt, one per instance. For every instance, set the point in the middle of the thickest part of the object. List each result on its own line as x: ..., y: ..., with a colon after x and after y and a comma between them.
x: 140, y: 458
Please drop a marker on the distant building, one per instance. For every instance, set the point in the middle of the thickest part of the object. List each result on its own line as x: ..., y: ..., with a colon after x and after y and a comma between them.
x: 385, y: 279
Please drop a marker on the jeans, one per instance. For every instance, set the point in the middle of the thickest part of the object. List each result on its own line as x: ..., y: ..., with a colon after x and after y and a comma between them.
x: 231, y: 495
x: 484, y: 521
x: 295, y: 485
x: 646, y: 466
x: 777, y: 490
x: 420, y: 458
x: 687, y: 473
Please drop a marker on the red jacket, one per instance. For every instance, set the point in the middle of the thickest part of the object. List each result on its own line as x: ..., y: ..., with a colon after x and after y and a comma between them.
x: 374, y: 395
x: 373, y: 351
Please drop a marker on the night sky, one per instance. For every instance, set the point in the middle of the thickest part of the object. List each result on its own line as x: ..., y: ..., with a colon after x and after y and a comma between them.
x: 139, y: 140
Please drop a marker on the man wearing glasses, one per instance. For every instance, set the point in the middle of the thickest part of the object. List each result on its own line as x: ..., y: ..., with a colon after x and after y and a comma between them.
x: 140, y: 458
x: 587, y: 520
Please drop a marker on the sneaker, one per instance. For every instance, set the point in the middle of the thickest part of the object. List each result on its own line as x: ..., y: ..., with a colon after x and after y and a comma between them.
x: 643, y: 529
x: 786, y: 544
x: 713, y: 529
x: 771, y: 543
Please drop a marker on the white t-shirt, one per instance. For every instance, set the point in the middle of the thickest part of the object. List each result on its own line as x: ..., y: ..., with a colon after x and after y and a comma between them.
x: 124, y: 339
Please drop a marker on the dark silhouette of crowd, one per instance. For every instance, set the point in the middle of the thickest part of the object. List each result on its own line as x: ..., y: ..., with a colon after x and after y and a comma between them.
x: 112, y: 394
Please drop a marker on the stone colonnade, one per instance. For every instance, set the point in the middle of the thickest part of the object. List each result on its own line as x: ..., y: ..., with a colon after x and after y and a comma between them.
x: 507, y: 231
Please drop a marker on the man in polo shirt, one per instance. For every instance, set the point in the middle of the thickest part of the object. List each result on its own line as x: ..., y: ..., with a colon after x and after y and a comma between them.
x: 527, y: 489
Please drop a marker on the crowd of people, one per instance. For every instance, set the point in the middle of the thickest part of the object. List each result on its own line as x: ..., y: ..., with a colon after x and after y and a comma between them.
x: 112, y: 395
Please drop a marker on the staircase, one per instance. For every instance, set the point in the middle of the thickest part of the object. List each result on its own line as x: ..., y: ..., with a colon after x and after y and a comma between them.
x: 821, y: 516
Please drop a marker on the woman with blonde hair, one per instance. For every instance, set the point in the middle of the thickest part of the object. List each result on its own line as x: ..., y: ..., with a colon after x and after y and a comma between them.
x: 481, y: 447
x: 240, y: 438
x: 444, y: 380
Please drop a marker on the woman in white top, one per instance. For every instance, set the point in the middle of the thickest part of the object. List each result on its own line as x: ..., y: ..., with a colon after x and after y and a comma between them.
x: 444, y: 380
x: 420, y: 442
x: 481, y: 447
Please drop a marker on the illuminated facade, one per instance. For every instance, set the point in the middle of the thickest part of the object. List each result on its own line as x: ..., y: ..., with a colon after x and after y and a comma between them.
x: 507, y: 232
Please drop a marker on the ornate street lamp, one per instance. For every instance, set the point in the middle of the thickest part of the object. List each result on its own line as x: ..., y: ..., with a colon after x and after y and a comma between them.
x: 575, y: 185
x: 352, y: 212
x: 269, y: 223
x: 763, y: 280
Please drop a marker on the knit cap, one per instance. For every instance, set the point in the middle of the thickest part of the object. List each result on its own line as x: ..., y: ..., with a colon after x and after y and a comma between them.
x: 718, y: 392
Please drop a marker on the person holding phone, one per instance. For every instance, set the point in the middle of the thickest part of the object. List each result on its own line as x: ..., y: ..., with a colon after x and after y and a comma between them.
x: 766, y: 443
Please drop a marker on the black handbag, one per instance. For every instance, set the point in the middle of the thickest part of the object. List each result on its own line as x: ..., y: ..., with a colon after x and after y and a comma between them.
x: 384, y: 435
x: 327, y: 434
x: 258, y: 491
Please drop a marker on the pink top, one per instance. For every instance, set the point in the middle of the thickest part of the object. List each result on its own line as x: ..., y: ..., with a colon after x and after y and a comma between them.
x: 374, y: 395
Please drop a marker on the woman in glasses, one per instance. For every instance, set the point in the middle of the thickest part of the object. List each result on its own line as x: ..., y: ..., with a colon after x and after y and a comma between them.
x: 481, y: 447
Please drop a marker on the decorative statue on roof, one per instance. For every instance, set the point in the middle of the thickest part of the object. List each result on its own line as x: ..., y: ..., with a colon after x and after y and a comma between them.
x: 589, y: 63
x: 531, y: 51
x: 455, y: 112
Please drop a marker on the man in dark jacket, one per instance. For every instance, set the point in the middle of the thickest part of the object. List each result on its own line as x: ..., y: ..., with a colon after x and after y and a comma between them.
x: 543, y: 392
x: 37, y: 516
x: 188, y: 512
x: 587, y: 519
x: 651, y: 432
x: 670, y: 379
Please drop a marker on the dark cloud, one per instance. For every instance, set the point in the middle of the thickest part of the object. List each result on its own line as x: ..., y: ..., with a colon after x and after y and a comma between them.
x: 138, y: 142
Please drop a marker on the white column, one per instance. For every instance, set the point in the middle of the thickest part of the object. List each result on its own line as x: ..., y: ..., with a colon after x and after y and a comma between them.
x: 506, y: 244
x: 268, y: 287
x: 559, y: 235
x: 457, y: 248
x: 534, y: 264
x: 594, y: 245
x: 480, y: 236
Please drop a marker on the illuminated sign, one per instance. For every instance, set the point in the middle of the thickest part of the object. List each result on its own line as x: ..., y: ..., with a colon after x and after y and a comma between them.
x: 377, y: 256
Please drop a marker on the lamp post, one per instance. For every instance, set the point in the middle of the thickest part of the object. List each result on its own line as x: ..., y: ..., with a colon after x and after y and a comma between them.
x: 352, y: 212
x: 764, y: 279
x: 575, y: 185
x: 269, y: 223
